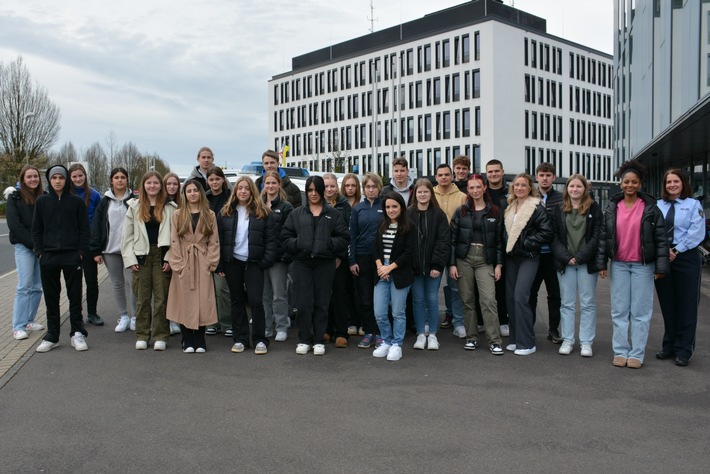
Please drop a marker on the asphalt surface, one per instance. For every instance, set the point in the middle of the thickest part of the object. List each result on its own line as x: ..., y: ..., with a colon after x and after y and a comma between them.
x: 115, y: 409
x: 7, y: 251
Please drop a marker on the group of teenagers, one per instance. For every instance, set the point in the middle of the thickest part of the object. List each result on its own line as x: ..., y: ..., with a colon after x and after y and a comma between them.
x: 360, y: 259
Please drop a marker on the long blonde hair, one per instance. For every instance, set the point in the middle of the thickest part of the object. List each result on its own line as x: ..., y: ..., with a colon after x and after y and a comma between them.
x: 529, y: 179
x: 144, y: 202
x: 272, y: 174
x: 254, y: 206
x: 184, y: 216
x: 586, y: 199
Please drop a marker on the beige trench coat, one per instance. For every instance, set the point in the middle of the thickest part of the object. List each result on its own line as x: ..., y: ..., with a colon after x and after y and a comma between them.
x: 193, y: 258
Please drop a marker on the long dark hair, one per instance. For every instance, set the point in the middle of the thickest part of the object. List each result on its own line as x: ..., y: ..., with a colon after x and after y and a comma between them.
x: 29, y: 196
x: 87, y: 188
x: 402, y: 221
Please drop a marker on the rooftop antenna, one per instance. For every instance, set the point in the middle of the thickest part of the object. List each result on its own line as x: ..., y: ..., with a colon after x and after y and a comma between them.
x: 372, y: 18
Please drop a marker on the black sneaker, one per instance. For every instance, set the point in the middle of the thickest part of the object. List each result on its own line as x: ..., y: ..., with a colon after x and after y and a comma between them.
x: 471, y: 345
x: 554, y: 336
x: 496, y: 350
x: 95, y: 319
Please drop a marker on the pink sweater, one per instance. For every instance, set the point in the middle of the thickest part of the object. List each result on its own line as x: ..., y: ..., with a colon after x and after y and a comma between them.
x: 628, y: 231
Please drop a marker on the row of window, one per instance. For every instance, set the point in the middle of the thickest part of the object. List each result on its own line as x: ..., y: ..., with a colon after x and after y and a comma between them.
x: 352, y: 106
x: 546, y: 53
x: 424, y: 161
x: 357, y: 74
x: 594, y: 167
x: 423, y: 128
x: 590, y: 70
x: 546, y: 127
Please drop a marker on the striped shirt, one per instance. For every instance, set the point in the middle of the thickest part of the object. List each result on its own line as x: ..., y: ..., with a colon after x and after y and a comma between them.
x: 388, y: 241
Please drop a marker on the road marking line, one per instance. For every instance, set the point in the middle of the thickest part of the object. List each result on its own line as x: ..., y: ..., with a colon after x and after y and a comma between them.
x: 4, y: 235
x: 8, y: 274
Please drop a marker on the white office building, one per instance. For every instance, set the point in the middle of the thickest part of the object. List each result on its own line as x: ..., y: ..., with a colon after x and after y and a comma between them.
x: 481, y: 79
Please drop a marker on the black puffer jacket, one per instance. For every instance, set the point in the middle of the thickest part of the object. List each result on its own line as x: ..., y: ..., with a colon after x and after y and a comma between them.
x: 591, y: 253
x: 431, y: 250
x: 525, y: 236
x: 401, y: 254
x: 307, y: 237
x: 281, y: 209
x: 654, y: 245
x: 462, y: 231
x: 343, y: 207
x: 19, y: 220
x: 263, y: 239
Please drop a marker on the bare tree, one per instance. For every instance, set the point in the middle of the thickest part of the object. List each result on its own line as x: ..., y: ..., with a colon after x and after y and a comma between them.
x: 65, y: 155
x: 98, y: 167
x: 111, y: 148
x: 29, y: 121
x: 130, y: 158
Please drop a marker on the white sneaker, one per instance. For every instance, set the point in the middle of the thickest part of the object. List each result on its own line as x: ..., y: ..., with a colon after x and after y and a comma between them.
x: 20, y: 334
x: 200, y: 350
x: 382, y: 351
x: 141, y: 345
x: 281, y: 336
x: 33, y: 326
x: 432, y: 343
x: 352, y: 330
x: 303, y: 349
x: 189, y: 350
x: 524, y: 352
x: 238, y: 347
x: 504, y: 330
x: 159, y: 345
x: 174, y: 328
x: 123, y: 323
x: 421, y: 342
x: 132, y: 326
x: 260, y: 349
x: 586, y: 350
x: 426, y: 329
x: 511, y: 347
x: 460, y: 332
x: 395, y: 353
x: 319, y: 349
x: 566, y: 348
x: 46, y: 346
x: 78, y: 342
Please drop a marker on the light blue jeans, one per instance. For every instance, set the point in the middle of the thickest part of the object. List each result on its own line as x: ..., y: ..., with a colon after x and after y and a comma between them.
x: 454, y: 306
x: 29, y: 288
x: 631, y: 307
x: 425, y: 302
x: 577, y: 280
x: 385, y: 294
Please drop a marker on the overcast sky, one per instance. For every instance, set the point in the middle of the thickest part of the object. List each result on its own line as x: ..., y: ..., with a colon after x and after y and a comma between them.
x: 174, y: 75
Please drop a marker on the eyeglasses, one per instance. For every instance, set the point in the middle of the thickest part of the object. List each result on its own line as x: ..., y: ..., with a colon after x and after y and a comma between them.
x: 370, y: 187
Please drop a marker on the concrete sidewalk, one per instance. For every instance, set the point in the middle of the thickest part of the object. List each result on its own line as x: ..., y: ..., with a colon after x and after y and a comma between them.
x: 13, y: 354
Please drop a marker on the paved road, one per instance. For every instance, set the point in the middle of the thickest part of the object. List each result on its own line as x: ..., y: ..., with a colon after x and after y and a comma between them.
x: 115, y: 409
x: 7, y: 252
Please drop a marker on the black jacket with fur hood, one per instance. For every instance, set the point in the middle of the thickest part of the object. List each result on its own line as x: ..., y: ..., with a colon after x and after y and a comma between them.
x: 526, y: 231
